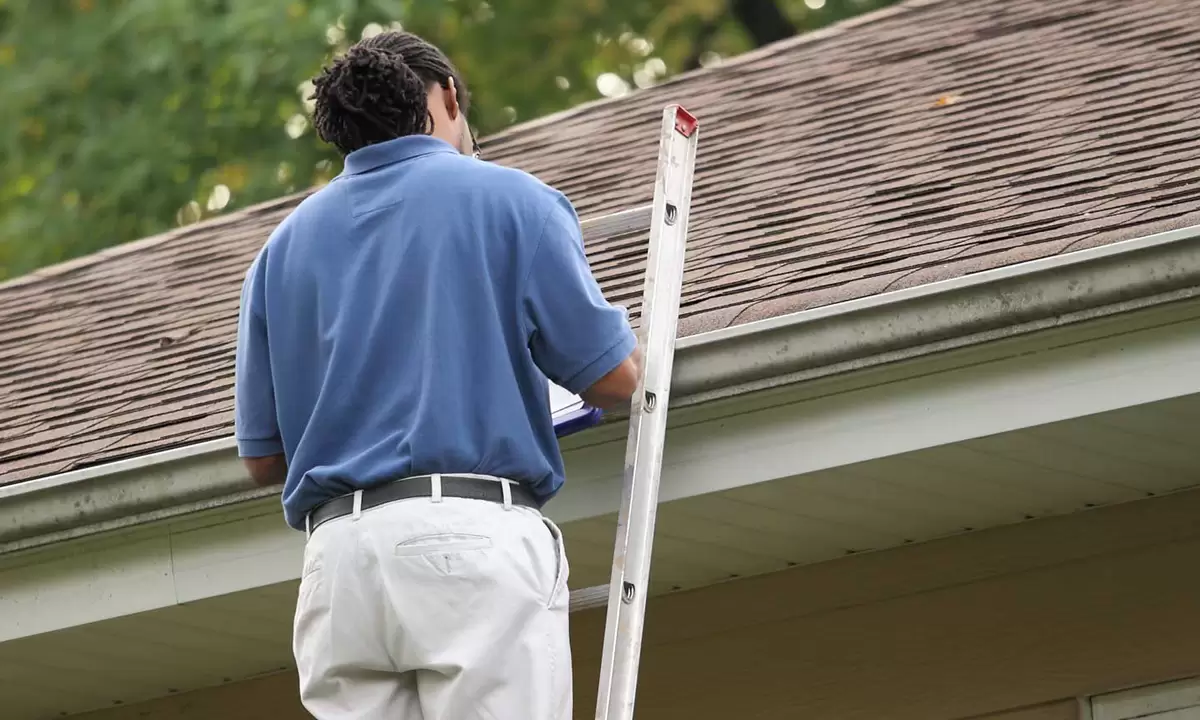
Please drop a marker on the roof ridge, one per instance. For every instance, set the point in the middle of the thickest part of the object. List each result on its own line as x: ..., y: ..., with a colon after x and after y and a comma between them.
x: 734, y: 62
x: 65, y: 267
x: 136, y: 245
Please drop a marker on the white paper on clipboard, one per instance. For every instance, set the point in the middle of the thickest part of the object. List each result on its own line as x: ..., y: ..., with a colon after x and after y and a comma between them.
x: 569, y: 413
x: 563, y: 402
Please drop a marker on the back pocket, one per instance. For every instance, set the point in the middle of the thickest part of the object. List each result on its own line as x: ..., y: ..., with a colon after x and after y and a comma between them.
x: 441, y: 544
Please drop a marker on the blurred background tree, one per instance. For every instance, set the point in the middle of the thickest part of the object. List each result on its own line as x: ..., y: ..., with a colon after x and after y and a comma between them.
x: 122, y: 118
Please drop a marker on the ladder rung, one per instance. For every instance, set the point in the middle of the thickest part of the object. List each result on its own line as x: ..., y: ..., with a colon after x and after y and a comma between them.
x: 589, y: 597
x: 619, y: 223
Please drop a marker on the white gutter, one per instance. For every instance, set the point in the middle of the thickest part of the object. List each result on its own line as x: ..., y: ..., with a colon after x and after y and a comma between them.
x: 852, y: 335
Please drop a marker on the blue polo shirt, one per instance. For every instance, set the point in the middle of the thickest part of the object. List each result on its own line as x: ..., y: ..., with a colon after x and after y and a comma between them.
x: 403, y: 320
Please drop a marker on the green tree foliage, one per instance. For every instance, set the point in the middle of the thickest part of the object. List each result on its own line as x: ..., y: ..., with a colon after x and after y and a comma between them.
x: 122, y: 118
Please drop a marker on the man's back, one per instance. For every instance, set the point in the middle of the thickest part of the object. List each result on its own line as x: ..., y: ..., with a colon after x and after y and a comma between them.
x: 407, y: 308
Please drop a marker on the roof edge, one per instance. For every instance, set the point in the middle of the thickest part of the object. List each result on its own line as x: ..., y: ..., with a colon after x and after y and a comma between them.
x: 967, y: 310
x: 848, y: 336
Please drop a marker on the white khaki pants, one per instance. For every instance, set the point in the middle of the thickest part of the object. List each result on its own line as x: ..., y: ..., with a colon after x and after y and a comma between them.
x: 424, y: 610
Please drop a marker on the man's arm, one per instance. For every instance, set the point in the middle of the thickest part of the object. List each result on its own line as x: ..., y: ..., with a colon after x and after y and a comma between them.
x: 255, y: 423
x: 266, y: 471
x: 615, y: 388
x: 578, y: 339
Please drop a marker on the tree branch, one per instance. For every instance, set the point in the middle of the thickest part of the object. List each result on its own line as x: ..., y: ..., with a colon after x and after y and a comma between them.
x: 763, y: 19
x: 700, y: 43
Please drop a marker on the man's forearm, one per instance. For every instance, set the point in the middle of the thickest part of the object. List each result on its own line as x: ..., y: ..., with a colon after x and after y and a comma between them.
x: 614, y: 390
x: 267, y: 471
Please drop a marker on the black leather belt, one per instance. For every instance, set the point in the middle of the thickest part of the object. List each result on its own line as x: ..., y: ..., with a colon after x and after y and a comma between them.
x: 460, y: 486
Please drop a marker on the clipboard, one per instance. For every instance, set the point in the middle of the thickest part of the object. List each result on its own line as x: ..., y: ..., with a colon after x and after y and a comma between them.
x: 570, y: 413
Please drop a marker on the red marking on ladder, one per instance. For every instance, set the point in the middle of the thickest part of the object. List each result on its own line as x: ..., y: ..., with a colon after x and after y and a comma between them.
x: 685, y: 122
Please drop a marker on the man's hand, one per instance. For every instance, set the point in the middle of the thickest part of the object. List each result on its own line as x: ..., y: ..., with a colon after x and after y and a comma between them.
x: 267, y: 471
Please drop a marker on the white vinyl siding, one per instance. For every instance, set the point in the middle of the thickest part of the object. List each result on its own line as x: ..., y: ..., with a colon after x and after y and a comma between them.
x: 1178, y: 700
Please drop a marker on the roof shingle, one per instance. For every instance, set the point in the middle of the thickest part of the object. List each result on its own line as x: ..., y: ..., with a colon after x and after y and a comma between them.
x: 922, y: 142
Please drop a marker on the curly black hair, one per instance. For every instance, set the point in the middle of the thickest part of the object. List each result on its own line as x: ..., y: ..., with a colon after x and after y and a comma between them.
x: 377, y: 91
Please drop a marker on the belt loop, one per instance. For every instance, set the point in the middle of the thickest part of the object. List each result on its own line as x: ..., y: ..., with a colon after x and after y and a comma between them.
x: 357, y: 504
x: 435, y: 487
x: 307, y: 526
x: 506, y: 491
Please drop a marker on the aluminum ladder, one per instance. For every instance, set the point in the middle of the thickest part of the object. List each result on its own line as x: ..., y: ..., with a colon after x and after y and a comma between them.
x: 625, y: 595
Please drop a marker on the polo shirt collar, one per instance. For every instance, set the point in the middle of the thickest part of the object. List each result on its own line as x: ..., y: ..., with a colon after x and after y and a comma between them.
x: 394, y: 151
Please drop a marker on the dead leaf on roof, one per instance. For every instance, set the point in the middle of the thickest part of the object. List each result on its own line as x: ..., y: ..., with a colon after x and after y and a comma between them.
x: 945, y: 100
x: 175, y: 337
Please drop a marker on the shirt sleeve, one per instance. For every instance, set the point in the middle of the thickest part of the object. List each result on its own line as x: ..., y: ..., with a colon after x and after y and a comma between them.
x: 255, y: 424
x: 575, y: 335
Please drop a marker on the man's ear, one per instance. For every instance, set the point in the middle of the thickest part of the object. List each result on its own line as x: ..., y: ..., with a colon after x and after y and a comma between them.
x: 451, y: 95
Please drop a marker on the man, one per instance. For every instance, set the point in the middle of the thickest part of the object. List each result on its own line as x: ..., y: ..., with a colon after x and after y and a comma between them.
x: 395, y: 337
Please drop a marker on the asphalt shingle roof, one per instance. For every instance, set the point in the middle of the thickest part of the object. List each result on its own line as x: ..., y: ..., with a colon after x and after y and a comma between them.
x: 930, y: 140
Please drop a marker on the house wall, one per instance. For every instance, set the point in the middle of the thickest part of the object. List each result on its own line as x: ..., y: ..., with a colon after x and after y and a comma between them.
x: 1011, y: 624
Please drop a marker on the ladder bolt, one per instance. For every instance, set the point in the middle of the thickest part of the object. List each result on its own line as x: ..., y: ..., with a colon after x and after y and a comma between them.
x: 651, y: 401
x: 627, y: 593
x: 672, y: 212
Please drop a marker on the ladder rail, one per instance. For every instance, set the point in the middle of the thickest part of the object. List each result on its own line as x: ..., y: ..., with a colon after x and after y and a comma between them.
x: 662, y: 289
